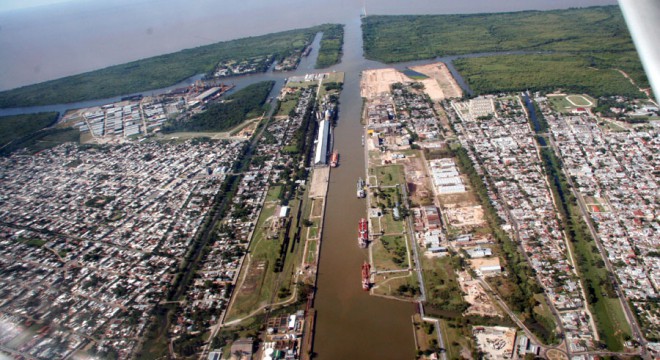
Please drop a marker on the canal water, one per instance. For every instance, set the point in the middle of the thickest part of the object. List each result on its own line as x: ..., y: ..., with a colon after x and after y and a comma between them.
x: 350, y: 323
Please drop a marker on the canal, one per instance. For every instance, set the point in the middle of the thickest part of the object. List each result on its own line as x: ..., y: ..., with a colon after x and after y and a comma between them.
x: 350, y: 323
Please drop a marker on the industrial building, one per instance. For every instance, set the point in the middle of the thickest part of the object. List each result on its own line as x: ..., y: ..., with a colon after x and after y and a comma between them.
x: 321, y: 153
x: 446, y: 177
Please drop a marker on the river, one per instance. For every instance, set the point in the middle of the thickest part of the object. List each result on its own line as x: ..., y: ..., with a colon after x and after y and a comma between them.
x: 350, y: 323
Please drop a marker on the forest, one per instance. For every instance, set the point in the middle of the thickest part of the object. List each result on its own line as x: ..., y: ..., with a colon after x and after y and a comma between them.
x: 332, y: 44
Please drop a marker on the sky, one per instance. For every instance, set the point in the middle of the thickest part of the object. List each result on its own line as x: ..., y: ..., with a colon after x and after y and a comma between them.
x: 7, y: 5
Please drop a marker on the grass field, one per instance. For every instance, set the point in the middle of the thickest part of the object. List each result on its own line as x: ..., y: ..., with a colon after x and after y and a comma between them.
x: 425, y: 333
x: 441, y: 283
x: 391, y: 226
x: 454, y: 339
x: 262, y: 251
x: 610, y: 318
x: 389, y: 253
x: 579, y: 100
x: 375, y: 225
x: 389, y: 175
x: 261, y: 282
x: 273, y: 193
x: 310, y: 258
x: 561, y: 103
x: 390, y: 284
x: 287, y: 105
x: 314, y: 229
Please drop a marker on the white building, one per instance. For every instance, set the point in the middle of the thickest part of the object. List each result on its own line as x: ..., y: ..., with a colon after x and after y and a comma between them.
x: 321, y: 154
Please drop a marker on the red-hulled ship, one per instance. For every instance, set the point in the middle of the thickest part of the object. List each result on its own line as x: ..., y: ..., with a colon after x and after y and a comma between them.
x: 363, y: 233
x: 366, y: 276
x: 334, y: 159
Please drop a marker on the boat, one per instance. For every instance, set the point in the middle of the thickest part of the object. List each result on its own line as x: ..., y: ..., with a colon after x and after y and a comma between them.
x: 334, y: 159
x: 363, y: 233
x: 366, y: 276
x: 360, y: 189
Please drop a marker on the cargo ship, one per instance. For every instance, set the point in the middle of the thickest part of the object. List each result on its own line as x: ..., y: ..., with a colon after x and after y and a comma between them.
x: 334, y: 159
x: 363, y: 233
x: 360, y: 189
x: 366, y: 276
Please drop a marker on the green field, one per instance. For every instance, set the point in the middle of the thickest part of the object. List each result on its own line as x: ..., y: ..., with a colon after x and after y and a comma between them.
x: 273, y: 193
x: 579, y: 100
x: 267, y: 283
x: 391, y: 226
x: 561, y: 104
x: 389, y: 175
x: 455, y: 338
x: 287, y: 105
x: 403, y: 285
x: 310, y: 258
x: 389, y: 253
x: 261, y: 250
x: 159, y: 71
x: 579, y: 39
x: 441, y: 284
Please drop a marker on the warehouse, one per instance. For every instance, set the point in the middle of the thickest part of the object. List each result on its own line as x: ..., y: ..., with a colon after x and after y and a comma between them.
x: 321, y: 154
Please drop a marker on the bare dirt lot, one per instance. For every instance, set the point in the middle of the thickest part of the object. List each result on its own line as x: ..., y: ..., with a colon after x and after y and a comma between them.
x: 378, y: 81
x: 441, y: 84
x: 419, y: 185
x: 474, y: 294
x: 319, y: 185
x: 465, y: 216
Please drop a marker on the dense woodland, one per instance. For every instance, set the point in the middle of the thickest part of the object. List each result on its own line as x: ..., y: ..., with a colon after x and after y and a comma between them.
x: 16, y: 126
x: 570, y: 73
x: 227, y: 113
x: 331, y: 47
x: 578, y: 49
x: 32, y: 131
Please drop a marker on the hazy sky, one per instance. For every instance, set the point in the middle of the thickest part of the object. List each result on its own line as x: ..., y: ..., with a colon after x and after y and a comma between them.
x: 24, y: 4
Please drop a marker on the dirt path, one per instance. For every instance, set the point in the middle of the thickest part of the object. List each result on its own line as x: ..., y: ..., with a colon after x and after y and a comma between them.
x: 646, y: 91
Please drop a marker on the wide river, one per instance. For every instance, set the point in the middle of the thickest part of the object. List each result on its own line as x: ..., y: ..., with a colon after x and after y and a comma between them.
x: 350, y: 323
